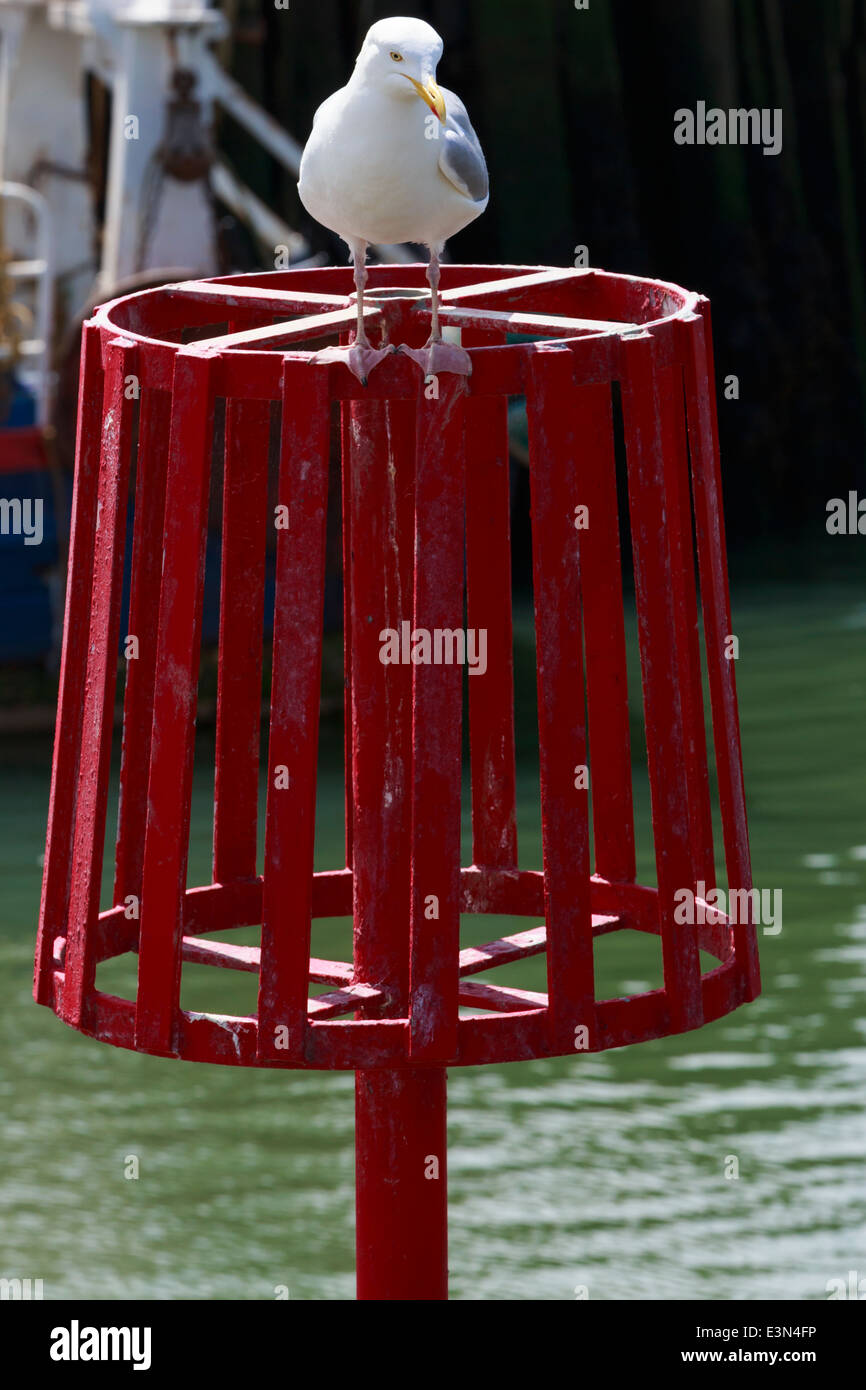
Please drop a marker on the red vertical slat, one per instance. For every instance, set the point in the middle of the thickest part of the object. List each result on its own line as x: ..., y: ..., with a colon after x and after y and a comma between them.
x: 555, y: 491
x: 604, y: 632
x: 716, y: 608
x: 100, y: 681
x: 290, y: 827
x: 650, y: 508
x: 380, y: 511
x: 437, y: 699
x: 242, y: 595
x: 76, y: 625
x: 166, y: 844
x: 686, y: 611
x: 491, y: 694
x: 346, y: 507
x: 143, y: 623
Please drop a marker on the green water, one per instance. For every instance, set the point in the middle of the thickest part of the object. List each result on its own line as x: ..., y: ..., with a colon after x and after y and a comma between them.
x: 606, y: 1171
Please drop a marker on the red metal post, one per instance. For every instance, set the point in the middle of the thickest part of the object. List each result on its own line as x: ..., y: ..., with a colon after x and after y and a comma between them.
x: 401, y: 1184
x: 400, y: 1143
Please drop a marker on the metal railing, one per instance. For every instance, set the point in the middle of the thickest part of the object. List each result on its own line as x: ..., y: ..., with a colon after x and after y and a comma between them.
x: 32, y: 308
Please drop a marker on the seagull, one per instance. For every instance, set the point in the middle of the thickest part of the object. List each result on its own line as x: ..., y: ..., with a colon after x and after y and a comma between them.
x: 392, y: 157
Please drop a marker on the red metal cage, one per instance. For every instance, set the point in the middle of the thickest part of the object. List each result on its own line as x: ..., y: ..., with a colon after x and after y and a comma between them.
x: 609, y: 366
x: 425, y: 506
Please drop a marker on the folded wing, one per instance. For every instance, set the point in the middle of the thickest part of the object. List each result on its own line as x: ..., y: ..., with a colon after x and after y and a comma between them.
x: 461, y: 158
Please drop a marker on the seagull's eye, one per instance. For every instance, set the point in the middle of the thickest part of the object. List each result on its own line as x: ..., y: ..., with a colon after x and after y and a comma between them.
x: 398, y: 57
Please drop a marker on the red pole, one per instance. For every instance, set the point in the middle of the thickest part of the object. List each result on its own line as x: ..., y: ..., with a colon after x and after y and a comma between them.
x: 401, y: 1184
x: 400, y: 1122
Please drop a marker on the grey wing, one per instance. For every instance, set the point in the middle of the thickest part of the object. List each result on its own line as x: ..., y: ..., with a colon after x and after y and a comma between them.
x: 461, y: 157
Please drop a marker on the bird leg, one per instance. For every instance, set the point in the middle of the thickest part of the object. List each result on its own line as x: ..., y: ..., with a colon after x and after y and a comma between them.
x: 433, y: 277
x: 360, y: 357
x: 437, y: 355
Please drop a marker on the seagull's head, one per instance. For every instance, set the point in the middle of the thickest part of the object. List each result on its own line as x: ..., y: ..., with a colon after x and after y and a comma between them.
x: 400, y: 56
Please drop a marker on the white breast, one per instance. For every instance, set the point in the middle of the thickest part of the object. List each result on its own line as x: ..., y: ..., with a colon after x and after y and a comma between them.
x: 369, y: 170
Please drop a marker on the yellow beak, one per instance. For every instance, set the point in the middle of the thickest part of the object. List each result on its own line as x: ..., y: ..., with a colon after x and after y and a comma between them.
x: 431, y: 94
